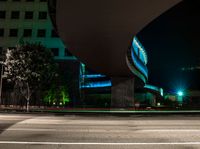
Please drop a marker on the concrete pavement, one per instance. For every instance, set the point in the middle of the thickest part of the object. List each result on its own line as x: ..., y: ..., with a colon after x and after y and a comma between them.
x: 100, y: 132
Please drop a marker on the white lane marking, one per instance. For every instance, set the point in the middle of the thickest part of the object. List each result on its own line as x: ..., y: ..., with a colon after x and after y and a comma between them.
x: 95, y: 143
x: 29, y: 129
x: 100, y: 130
x: 167, y: 130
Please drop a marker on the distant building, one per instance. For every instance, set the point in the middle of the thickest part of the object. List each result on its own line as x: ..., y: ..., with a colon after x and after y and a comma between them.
x: 29, y: 21
x: 149, y: 96
x: 193, y: 99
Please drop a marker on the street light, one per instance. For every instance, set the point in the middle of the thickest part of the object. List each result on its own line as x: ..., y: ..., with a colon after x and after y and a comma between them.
x: 180, y: 93
x: 180, y: 97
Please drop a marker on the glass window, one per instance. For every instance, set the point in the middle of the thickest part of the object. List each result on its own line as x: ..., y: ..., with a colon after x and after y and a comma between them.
x: 67, y: 53
x: 1, y: 32
x: 142, y: 57
x: 15, y: 15
x: 42, y: 15
x: 41, y: 33
x: 13, y: 33
x: 54, y: 33
x: 55, y: 51
x: 1, y: 50
x: 27, y: 33
x: 2, y: 14
x: 29, y: 15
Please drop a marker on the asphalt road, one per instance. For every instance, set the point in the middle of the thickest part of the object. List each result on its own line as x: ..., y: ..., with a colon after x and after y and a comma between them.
x: 18, y: 131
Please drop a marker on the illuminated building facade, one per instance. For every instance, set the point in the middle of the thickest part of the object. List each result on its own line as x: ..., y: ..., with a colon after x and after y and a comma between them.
x: 102, y: 43
x: 102, y: 35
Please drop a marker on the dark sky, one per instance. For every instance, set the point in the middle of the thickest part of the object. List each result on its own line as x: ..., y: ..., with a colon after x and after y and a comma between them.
x: 172, y: 41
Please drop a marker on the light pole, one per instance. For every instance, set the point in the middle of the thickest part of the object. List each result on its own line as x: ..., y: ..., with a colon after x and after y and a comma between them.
x: 1, y: 83
x: 180, y: 97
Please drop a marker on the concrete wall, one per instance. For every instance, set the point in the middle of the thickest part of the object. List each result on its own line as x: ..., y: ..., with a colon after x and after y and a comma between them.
x: 122, y: 92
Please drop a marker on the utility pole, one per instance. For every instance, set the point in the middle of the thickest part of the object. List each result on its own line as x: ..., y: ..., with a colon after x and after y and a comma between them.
x: 1, y: 79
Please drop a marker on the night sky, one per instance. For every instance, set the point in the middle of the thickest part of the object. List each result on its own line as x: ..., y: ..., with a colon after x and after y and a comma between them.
x: 172, y: 42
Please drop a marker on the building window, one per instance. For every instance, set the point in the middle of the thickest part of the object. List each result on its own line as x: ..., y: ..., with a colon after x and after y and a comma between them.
x: 11, y: 47
x: 1, y: 50
x: 54, y: 33
x: 13, y: 32
x: 27, y: 33
x: 67, y: 53
x: 41, y: 33
x: 55, y: 51
x: 2, y: 14
x: 42, y: 15
x: 43, y: 0
x: 15, y: 15
x: 1, y: 32
x: 29, y: 15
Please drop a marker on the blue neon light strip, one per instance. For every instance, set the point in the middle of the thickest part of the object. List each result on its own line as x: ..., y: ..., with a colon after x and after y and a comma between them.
x: 139, y: 56
x: 97, y: 84
x: 93, y: 76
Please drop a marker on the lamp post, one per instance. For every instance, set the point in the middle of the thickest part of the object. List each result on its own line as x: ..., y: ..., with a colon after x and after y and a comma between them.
x: 180, y: 97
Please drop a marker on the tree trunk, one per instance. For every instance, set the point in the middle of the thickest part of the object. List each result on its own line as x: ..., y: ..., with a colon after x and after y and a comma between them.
x: 27, y: 105
x: 28, y: 98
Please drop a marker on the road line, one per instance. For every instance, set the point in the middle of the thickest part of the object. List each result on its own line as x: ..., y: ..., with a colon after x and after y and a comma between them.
x: 95, y: 143
x: 142, y: 130
x: 169, y: 130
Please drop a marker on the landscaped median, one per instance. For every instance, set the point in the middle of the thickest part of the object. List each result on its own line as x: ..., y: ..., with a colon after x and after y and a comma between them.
x: 113, y: 111
x: 43, y: 109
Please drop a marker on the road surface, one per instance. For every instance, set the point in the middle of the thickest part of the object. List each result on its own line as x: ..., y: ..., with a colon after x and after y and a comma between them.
x: 28, y: 131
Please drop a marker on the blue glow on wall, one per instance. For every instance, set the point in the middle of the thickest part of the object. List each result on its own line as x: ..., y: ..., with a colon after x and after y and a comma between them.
x: 139, y: 50
x: 157, y: 89
x: 141, y: 67
x: 139, y: 57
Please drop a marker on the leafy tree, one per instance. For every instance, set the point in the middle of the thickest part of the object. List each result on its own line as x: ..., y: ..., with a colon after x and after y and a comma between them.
x: 30, y: 66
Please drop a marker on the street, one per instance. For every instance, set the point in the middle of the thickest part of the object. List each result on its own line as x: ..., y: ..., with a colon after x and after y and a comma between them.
x: 29, y: 131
